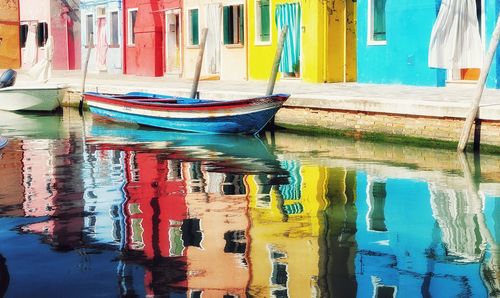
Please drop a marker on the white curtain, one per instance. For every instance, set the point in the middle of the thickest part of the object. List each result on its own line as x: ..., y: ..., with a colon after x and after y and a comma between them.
x: 102, y: 44
x: 42, y: 71
x: 31, y: 48
x: 213, y: 43
x: 455, y: 40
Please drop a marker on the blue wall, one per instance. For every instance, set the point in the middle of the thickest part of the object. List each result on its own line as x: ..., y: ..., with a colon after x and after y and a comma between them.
x: 492, y: 8
x: 403, y: 60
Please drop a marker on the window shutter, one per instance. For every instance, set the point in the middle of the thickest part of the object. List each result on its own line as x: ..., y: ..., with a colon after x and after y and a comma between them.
x: 379, y: 20
x: 265, y: 24
x: 227, y: 23
x: 194, y: 27
x: 242, y: 24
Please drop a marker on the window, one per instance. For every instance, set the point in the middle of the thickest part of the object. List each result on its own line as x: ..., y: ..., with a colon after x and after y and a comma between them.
x: 262, y: 21
x: 194, y: 38
x: 376, y: 23
x: 90, y: 28
x: 233, y: 24
x: 132, y: 16
x: 101, y: 11
x: 42, y: 34
x: 114, y: 29
x: 23, y: 34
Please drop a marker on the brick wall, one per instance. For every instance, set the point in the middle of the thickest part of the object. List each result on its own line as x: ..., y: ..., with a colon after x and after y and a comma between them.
x: 447, y: 129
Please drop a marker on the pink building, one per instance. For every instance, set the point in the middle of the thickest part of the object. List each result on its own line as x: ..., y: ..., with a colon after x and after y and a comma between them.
x: 57, y: 18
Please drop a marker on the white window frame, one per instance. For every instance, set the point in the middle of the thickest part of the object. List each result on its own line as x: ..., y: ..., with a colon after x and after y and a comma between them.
x: 370, y: 40
x: 111, y: 27
x: 189, y: 42
x: 87, y: 28
x: 258, y: 25
x: 130, y: 29
x: 97, y: 11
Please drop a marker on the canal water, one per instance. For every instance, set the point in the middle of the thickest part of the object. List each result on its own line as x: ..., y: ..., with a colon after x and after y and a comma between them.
x: 94, y: 208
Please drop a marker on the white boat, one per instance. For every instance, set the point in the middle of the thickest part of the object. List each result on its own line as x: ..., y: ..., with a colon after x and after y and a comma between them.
x: 34, y: 94
x: 40, y: 97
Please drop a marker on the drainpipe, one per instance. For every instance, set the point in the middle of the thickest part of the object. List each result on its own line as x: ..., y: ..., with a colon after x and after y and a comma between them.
x: 247, y: 38
x: 124, y: 36
x: 325, y: 41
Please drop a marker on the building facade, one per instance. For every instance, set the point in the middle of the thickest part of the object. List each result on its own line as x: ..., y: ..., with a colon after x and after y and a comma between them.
x: 151, y: 49
x: 55, y: 18
x: 104, y: 19
x: 321, y: 41
x: 225, y: 50
x: 10, y: 53
x: 414, y: 43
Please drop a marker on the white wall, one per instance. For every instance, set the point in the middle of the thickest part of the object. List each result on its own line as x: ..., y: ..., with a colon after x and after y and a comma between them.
x: 233, y: 59
x: 114, y: 56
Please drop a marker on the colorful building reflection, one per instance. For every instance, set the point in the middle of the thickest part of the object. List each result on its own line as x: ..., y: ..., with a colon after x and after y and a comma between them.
x: 182, y: 227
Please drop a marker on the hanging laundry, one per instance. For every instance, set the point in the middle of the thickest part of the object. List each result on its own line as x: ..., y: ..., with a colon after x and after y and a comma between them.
x: 455, y: 40
x: 102, y: 45
x: 42, y: 71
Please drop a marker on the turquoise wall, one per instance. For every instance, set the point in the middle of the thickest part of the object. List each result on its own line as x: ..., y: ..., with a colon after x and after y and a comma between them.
x: 492, y: 8
x: 403, y: 60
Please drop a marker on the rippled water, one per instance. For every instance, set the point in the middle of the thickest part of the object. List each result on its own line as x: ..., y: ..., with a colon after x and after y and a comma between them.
x: 93, y: 208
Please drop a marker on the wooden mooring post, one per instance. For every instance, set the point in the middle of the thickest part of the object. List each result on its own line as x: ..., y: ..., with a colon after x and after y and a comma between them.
x: 199, y: 63
x: 90, y: 44
x: 472, y: 115
x: 277, y: 60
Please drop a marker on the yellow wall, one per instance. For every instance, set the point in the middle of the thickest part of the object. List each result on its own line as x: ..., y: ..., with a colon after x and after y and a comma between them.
x: 326, y: 32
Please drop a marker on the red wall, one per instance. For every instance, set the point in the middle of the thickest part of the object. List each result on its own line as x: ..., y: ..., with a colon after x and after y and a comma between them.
x: 65, y: 29
x: 147, y: 57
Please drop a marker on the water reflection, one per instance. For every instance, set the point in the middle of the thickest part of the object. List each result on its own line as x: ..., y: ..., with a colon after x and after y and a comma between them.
x: 134, y: 212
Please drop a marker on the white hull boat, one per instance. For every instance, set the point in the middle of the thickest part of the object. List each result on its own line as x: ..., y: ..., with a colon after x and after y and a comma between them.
x: 33, y: 98
x: 36, y: 95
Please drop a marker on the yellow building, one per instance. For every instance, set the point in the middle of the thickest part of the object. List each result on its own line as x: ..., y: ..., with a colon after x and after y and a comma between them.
x: 323, y: 39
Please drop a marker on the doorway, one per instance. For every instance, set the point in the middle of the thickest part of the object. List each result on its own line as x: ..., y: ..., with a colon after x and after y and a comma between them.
x: 173, y: 42
x: 29, y: 43
x: 290, y: 13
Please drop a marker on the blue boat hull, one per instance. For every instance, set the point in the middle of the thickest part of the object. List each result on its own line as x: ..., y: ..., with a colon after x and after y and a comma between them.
x: 250, y: 123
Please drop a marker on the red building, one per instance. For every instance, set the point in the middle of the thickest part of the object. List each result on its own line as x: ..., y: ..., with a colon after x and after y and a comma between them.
x: 150, y: 49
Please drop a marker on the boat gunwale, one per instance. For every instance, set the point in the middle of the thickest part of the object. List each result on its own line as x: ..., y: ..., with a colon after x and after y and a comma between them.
x: 135, y: 102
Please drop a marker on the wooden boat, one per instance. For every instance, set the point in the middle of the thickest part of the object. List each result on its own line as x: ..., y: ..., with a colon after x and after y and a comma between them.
x: 38, y: 97
x: 244, y: 116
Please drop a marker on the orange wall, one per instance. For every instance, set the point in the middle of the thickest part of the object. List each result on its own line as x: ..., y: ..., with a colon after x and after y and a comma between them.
x: 10, y: 52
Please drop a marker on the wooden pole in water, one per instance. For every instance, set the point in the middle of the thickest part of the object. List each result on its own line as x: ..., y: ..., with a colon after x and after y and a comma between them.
x: 479, y: 89
x: 90, y: 44
x: 277, y: 60
x: 199, y: 62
